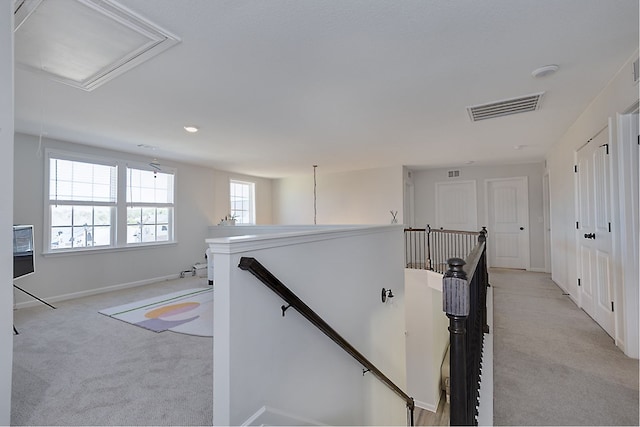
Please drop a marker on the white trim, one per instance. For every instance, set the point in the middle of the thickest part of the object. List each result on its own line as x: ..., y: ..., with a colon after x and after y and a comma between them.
x: 427, y: 406
x: 614, y: 207
x: 546, y: 220
x: 100, y: 249
x: 616, y: 268
x: 537, y: 269
x: 245, y: 243
x: 157, y: 41
x: 628, y: 237
x: 98, y: 291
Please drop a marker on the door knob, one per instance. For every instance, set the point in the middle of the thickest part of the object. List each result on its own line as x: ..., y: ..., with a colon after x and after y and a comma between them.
x: 521, y: 228
x: 590, y: 235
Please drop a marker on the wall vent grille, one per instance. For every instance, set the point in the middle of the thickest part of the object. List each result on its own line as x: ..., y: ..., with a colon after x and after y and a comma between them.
x: 505, y: 107
x: 453, y: 174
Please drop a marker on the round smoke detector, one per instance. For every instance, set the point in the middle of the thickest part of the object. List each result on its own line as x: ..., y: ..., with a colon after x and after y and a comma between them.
x: 544, y: 71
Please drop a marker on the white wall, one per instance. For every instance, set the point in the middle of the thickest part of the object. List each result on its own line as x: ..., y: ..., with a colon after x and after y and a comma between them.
x: 356, y: 197
x: 200, y: 202
x: 620, y: 94
x: 425, y: 196
x: 427, y: 335
x: 6, y: 208
x: 261, y: 358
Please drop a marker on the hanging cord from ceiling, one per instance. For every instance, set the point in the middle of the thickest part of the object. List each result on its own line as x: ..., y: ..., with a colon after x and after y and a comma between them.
x: 315, y: 206
x: 41, y: 78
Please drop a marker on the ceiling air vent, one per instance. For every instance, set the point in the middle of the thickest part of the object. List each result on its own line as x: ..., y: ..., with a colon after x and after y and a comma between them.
x: 505, y: 107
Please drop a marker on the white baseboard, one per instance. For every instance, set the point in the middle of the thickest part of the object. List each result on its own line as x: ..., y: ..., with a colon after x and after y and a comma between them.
x: 537, y: 270
x: 90, y: 292
x: 564, y: 289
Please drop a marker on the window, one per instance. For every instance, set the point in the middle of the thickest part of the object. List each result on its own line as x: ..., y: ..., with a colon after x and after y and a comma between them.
x: 242, y: 202
x: 82, y: 201
x: 90, y: 207
x: 149, y: 206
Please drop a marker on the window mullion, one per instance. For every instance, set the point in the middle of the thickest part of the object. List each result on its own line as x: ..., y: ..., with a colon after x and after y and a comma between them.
x: 121, y: 208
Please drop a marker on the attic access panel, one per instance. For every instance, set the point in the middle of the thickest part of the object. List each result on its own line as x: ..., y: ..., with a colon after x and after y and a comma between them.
x: 84, y: 43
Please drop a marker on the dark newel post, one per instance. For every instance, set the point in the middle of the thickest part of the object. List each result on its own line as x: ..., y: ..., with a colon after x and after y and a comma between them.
x: 482, y: 235
x: 485, y: 279
x: 456, y: 302
x: 427, y: 235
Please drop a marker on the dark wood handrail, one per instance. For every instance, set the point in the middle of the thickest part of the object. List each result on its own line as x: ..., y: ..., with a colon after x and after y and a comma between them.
x: 258, y: 270
x: 473, y: 259
x: 438, y: 230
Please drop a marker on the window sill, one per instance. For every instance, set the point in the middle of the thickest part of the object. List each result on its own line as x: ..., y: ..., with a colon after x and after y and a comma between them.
x: 88, y: 251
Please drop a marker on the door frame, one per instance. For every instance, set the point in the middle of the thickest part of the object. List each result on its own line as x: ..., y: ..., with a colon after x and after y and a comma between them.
x: 409, y: 203
x: 546, y: 219
x: 628, y: 158
x: 527, y: 254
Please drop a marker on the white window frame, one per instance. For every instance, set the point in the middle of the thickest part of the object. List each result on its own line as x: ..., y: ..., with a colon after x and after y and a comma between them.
x: 252, y: 201
x: 119, y: 211
x: 172, y: 205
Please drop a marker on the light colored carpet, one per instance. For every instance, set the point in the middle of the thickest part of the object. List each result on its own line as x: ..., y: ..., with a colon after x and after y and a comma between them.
x: 189, y: 311
x: 553, y: 365
x: 74, y: 366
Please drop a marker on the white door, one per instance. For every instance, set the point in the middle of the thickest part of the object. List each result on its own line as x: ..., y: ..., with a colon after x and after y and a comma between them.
x: 594, y: 231
x: 508, y: 214
x: 456, y: 206
x: 408, y: 204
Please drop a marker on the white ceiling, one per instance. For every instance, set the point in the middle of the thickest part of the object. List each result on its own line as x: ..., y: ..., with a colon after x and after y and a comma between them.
x: 278, y: 86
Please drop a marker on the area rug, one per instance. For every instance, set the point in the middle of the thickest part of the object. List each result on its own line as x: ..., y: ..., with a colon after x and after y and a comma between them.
x: 188, y: 312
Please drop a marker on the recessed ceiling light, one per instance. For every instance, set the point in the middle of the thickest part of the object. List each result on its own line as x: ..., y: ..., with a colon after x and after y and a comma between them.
x: 544, y: 71
x: 191, y: 129
x: 518, y: 147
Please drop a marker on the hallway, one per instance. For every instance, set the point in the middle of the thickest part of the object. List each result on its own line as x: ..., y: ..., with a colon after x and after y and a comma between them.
x: 553, y: 365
